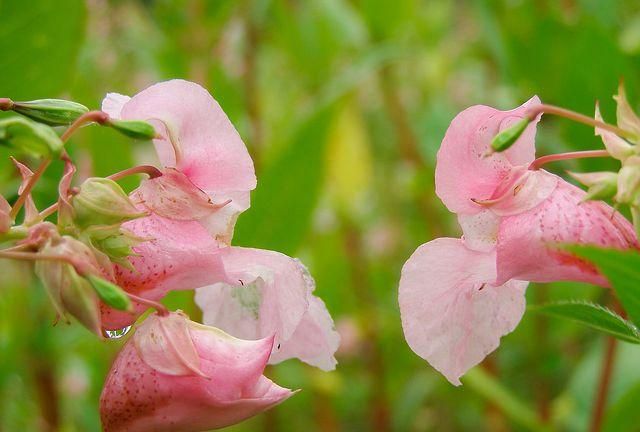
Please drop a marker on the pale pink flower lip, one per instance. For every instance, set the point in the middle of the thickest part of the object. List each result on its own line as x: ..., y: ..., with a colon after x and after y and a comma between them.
x: 152, y: 385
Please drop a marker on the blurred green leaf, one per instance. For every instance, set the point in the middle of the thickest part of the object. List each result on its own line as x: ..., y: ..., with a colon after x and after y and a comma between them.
x: 594, y: 316
x: 624, y: 414
x: 287, y: 192
x: 622, y: 268
x: 39, y: 42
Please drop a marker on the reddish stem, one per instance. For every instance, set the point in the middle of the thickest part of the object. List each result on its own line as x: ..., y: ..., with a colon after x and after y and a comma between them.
x: 90, y: 117
x: 28, y: 187
x: 536, y: 164
x: 6, y: 104
x: 159, y: 307
x: 603, y: 386
x: 533, y: 112
x: 150, y: 170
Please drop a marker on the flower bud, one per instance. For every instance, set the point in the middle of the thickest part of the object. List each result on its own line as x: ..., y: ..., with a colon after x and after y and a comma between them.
x: 629, y: 182
x: 509, y: 136
x: 114, y: 241
x: 69, y: 292
x: 111, y: 294
x: 32, y: 138
x: 135, y: 129
x: 174, y: 196
x: 5, y: 218
x: 53, y: 112
x: 602, y: 185
x: 102, y: 201
x: 617, y: 146
x: 627, y: 118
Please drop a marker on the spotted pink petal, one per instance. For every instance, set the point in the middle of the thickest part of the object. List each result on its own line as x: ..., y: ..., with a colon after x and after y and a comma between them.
x: 213, y: 155
x: 138, y: 397
x: 178, y: 255
x: 452, y: 314
x: 527, y: 242
x: 272, y: 295
x: 462, y: 172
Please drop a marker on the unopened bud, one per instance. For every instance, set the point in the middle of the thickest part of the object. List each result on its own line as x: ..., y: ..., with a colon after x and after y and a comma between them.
x: 5, y: 218
x: 111, y: 294
x: 69, y: 292
x: 602, y: 185
x: 629, y: 182
x: 27, y: 136
x: 136, y: 129
x: 617, y: 146
x: 102, y: 201
x: 54, y: 112
x: 627, y: 118
x: 509, y: 136
x: 115, y: 242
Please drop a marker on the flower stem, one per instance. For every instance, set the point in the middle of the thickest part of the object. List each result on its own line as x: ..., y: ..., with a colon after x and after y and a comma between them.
x: 536, y: 164
x: 577, y: 117
x: 159, y: 307
x: 28, y: 187
x: 150, y: 170
x: 90, y: 117
x: 603, y: 385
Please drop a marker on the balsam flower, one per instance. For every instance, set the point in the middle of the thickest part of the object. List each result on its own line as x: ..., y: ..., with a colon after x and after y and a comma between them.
x: 207, y: 177
x: 175, y: 375
x: 459, y: 296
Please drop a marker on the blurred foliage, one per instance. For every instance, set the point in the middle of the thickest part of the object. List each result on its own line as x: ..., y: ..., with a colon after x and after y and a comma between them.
x: 343, y: 104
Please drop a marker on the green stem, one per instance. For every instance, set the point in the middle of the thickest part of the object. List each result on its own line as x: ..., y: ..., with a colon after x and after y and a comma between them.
x: 28, y: 187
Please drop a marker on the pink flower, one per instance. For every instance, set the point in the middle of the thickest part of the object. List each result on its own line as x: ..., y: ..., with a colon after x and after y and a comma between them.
x: 206, y: 181
x: 270, y: 293
x: 458, y: 297
x: 175, y: 375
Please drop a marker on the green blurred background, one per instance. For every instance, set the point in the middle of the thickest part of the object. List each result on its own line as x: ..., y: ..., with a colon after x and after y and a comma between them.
x: 343, y: 104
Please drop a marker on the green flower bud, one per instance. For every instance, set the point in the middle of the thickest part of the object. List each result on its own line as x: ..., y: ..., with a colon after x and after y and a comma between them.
x: 629, y: 182
x: 70, y: 293
x: 103, y: 202
x: 53, y: 112
x: 509, y: 136
x: 133, y: 128
x: 111, y: 294
x: 602, y: 185
x: 30, y: 137
x: 115, y: 242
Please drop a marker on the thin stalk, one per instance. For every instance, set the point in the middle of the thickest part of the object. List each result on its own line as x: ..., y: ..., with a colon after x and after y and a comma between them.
x: 604, y: 385
x: 536, y: 164
x: 150, y: 170
x: 533, y: 112
x: 28, y: 187
x: 159, y: 307
x: 90, y: 117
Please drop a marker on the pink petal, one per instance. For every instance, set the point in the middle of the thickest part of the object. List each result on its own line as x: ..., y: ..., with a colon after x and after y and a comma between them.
x: 174, y: 196
x: 273, y: 296
x: 179, y: 255
x: 315, y: 340
x: 5, y: 219
x: 112, y: 104
x: 462, y: 173
x: 526, y: 242
x: 480, y: 230
x: 452, y: 315
x: 221, y: 224
x: 139, y: 398
x: 31, y: 212
x: 213, y: 155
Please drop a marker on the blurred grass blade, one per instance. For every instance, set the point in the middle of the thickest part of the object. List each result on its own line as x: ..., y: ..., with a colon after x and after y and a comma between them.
x: 488, y: 387
x: 288, y: 191
x: 622, y: 269
x: 594, y: 316
x: 518, y: 411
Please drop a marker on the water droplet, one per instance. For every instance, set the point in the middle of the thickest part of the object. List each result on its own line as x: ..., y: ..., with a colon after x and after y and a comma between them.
x: 117, y: 334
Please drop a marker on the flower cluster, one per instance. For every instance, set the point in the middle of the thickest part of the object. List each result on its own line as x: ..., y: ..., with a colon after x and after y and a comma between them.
x: 113, y: 255
x: 458, y: 297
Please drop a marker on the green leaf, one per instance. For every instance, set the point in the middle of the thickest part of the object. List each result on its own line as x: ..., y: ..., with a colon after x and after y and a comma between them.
x: 287, y: 192
x: 622, y: 269
x: 39, y: 42
x: 110, y: 293
x: 594, y: 316
x: 624, y: 414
